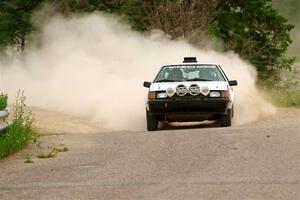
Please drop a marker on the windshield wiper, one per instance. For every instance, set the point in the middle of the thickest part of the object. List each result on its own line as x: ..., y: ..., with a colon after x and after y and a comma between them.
x: 198, y: 79
x: 167, y: 80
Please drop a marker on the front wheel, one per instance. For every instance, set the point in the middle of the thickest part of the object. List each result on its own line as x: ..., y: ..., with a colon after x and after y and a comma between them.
x: 226, y: 119
x: 152, y: 122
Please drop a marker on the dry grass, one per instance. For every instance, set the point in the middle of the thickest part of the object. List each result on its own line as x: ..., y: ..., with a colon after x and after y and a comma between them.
x: 285, y: 98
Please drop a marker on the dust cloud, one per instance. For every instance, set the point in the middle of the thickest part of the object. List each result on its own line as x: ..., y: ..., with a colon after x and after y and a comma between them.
x: 94, y: 66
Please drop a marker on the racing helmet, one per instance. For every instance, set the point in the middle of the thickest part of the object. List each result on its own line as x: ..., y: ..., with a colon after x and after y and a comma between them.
x: 176, y: 74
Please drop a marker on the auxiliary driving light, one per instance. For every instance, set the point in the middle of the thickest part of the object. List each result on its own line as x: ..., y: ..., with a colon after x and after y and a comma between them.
x: 194, y: 89
x: 181, y: 90
x: 170, y: 92
x: 205, y: 90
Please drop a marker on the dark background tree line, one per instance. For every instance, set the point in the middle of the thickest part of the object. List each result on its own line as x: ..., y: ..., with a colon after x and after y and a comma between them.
x: 253, y: 29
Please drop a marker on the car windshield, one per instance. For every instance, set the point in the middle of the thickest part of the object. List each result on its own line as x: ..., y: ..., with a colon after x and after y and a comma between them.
x: 179, y: 73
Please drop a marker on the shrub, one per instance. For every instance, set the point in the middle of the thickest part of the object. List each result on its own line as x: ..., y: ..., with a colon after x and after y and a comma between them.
x: 20, y: 132
x: 3, y: 101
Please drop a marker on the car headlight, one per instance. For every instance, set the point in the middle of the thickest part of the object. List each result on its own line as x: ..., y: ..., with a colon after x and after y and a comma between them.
x: 215, y: 94
x: 162, y: 95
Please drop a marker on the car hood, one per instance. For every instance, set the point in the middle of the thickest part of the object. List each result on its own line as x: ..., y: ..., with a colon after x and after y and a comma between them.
x: 212, y: 85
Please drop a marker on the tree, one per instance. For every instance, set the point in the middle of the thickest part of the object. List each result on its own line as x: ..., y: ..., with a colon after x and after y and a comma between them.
x: 252, y: 29
x: 257, y: 32
x: 15, y: 22
x: 175, y: 17
x: 67, y: 7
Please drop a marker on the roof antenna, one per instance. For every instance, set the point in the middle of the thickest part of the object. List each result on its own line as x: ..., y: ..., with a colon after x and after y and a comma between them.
x: 190, y: 47
x: 189, y: 59
x: 189, y: 43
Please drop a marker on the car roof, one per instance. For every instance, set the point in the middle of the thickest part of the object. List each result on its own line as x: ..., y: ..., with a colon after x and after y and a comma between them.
x: 185, y: 64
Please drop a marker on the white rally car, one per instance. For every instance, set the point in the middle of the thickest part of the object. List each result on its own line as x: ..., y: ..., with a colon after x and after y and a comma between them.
x: 190, y: 91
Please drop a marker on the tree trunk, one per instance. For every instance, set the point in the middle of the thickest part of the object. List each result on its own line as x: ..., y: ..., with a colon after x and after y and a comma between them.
x: 22, y: 45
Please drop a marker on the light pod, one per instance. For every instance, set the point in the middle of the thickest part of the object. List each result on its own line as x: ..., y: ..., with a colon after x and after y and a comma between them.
x: 170, y: 92
x: 194, y: 89
x: 205, y: 90
x: 181, y: 90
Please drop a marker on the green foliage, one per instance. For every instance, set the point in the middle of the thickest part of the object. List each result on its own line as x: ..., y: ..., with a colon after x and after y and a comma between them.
x: 253, y: 29
x: 3, y: 101
x: 129, y: 9
x: 132, y: 12
x: 27, y: 159
x: 15, y: 22
x: 67, y: 7
x: 257, y: 32
x: 20, y: 132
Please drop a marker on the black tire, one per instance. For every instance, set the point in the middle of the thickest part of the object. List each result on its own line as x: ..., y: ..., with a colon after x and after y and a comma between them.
x: 152, y: 122
x: 226, y: 119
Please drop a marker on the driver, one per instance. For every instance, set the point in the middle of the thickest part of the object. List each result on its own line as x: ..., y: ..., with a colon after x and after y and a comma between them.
x: 176, y: 74
x: 206, y: 73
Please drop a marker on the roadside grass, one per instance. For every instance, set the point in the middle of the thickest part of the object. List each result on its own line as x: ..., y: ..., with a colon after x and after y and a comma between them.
x: 3, y: 101
x: 62, y: 148
x: 285, y: 98
x: 50, y: 154
x: 27, y: 159
x: 16, y: 136
x: 53, y: 152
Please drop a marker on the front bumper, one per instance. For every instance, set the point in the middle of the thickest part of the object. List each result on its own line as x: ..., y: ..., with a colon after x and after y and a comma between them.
x: 188, y: 105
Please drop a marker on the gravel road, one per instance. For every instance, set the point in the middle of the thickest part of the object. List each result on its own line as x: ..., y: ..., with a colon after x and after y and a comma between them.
x: 260, y: 160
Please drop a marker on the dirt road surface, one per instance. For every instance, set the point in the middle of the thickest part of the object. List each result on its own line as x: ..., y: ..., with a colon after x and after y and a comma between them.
x: 260, y: 160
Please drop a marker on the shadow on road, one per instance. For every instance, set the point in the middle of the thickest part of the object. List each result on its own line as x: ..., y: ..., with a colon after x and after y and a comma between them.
x: 188, y: 125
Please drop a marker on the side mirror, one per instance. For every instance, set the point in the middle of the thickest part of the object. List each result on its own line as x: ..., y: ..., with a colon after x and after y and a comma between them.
x: 147, y: 84
x: 233, y: 83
